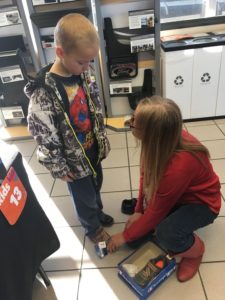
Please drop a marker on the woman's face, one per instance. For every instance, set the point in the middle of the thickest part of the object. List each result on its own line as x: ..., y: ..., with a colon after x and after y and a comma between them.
x: 136, y: 131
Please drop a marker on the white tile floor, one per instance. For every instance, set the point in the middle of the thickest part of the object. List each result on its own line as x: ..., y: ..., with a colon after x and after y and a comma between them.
x: 76, y: 272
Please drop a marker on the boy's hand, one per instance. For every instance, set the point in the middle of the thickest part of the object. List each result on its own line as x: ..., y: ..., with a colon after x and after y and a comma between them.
x: 115, y: 242
x: 69, y: 177
x: 133, y: 219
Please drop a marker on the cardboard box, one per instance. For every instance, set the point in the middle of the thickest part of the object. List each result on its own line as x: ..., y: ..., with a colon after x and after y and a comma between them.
x: 120, y: 87
x: 141, y: 18
x: 12, y: 112
x: 142, y: 43
x: 41, y: 2
x: 151, y: 261
x: 9, y: 17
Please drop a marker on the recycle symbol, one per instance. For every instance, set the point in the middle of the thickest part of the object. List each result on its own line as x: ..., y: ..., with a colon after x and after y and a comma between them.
x: 179, y: 80
x: 205, y: 77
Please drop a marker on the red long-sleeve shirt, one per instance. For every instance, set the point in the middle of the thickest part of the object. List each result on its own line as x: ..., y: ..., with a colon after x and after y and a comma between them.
x: 185, y: 180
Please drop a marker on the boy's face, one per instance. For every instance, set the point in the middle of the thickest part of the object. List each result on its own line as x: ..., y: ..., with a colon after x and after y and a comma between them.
x: 77, y: 63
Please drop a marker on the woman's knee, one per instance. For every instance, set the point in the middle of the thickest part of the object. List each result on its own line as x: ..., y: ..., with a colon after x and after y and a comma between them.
x: 166, y: 234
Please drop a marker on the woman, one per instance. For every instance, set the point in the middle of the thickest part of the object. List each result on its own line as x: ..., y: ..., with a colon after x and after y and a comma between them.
x: 179, y: 191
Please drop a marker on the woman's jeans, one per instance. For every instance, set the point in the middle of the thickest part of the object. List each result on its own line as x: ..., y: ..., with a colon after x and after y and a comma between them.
x: 87, y: 199
x: 175, y: 232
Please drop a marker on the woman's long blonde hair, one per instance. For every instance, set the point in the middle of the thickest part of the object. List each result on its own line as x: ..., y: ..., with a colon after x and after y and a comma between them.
x: 160, y: 122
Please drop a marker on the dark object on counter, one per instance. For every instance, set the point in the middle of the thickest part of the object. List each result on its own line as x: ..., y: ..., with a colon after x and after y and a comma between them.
x: 146, y: 90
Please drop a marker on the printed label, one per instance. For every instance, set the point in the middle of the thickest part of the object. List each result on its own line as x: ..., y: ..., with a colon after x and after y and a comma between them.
x: 13, y: 197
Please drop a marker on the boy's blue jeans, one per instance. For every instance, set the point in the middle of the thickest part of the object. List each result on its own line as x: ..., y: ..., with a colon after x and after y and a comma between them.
x: 175, y: 232
x: 87, y: 199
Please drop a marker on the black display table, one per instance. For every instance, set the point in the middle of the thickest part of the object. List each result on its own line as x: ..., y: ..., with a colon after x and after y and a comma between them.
x: 24, y: 245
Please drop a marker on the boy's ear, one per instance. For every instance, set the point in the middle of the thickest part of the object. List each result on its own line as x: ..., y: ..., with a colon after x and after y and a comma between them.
x: 59, y: 51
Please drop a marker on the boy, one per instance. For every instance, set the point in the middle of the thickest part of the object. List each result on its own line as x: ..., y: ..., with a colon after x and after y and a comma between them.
x: 65, y: 118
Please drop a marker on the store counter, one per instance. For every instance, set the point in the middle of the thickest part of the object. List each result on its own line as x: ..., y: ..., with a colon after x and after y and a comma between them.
x: 117, y: 124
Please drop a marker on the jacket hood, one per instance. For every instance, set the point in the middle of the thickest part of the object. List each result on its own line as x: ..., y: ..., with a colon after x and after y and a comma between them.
x: 36, y: 82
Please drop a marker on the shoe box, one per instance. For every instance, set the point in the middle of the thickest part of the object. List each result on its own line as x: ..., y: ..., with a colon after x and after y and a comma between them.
x: 146, y: 268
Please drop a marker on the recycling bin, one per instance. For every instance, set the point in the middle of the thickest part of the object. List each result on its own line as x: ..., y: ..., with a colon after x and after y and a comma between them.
x: 193, y: 70
x: 177, y: 78
x: 206, y: 72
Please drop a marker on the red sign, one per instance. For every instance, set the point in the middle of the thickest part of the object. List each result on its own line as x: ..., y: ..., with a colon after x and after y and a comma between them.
x: 13, y: 197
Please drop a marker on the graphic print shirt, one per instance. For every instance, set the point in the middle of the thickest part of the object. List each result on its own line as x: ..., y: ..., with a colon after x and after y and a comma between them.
x: 80, y: 115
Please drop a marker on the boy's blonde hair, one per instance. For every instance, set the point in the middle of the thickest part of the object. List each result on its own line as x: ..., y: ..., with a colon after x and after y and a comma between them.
x: 74, y: 32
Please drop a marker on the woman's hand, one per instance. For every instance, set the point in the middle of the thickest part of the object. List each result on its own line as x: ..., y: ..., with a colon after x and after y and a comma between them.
x: 115, y: 242
x: 133, y: 219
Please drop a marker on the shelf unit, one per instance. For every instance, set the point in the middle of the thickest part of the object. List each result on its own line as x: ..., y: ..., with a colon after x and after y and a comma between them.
x: 43, y: 20
x: 109, y: 8
x: 15, y: 63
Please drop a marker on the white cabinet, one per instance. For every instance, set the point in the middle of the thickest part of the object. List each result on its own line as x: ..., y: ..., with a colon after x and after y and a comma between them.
x: 206, y: 68
x: 220, y: 107
x: 177, y: 78
x: 118, y: 12
x: 193, y: 79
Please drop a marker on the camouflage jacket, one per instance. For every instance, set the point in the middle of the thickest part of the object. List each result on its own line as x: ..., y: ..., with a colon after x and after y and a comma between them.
x: 59, y: 149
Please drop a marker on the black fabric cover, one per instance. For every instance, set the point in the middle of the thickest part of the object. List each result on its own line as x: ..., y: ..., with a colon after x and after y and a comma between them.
x: 24, y: 245
x: 121, y: 62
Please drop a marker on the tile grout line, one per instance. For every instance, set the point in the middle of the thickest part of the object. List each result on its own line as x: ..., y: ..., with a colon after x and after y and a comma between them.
x: 53, y: 184
x: 202, y: 284
x: 81, y: 267
x: 217, y: 125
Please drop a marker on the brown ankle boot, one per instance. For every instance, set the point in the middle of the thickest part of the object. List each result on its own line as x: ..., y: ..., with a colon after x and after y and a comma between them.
x: 191, y: 260
x: 100, y: 236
